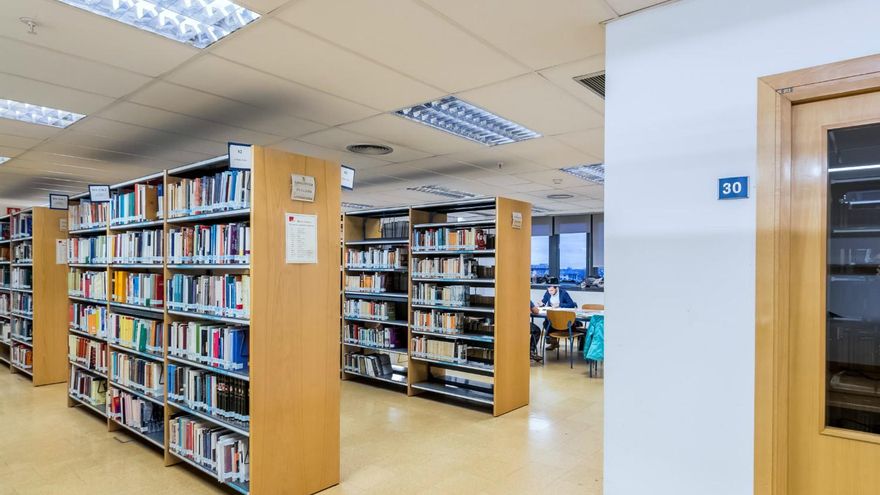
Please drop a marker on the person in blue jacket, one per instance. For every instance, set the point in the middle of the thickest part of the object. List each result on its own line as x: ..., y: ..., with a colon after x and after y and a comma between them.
x: 555, y: 297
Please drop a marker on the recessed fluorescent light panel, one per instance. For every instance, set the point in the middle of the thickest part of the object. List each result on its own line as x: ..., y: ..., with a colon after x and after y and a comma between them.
x: 590, y: 173
x: 35, y: 114
x: 442, y: 191
x: 196, y: 22
x: 354, y: 206
x: 4, y: 159
x: 459, y: 117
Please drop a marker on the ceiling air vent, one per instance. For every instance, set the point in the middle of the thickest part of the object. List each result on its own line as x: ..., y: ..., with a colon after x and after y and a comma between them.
x: 369, y: 149
x: 595, y: 82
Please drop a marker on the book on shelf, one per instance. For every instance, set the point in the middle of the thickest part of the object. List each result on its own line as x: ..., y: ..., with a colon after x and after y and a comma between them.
x: 221, y: 295
x: 441, y: 295
x: 370, y: 310
x: 141, y: 204
x: 87, y: 388
x: 452, y: 351
x: 215, y: 448
x: 5, y: 304
x: 88, y: 318
x: 5, y: 275
x: 86, y: 352
x: 381, y: 337
x: 139, y: 289
x: 375, y: 282
x: 140, y: 334
x: 461, y: 267
x: 201, y: 390
x: 136, y: 373
x: 210, y: 244
x: 22, y: 277
x: 226, y: 190
x: 87, y: 250
x: 453, y: 238
x: 23, y: 252
x: 378, y: 365
x: 90, y: 284
x: 376, y: 258
x: 87, y: 215
x: 218, y: 346
x: 5, y: 330
x: 141, y: 246
x: 22, y: 329
x: 22, y: 356
x: 22, y: 225
x: 138, y: 414
x: 394, y: 228
x: 5, y: 231
x: 23, y: 303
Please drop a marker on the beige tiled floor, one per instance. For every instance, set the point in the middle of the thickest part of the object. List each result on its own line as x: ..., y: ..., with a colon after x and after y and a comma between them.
x: 391, y: 444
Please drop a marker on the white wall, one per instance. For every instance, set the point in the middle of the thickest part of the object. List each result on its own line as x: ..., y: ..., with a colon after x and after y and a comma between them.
x: 680, y: 113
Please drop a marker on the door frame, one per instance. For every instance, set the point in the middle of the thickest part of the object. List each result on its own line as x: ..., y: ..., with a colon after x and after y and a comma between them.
x: 776, y: 95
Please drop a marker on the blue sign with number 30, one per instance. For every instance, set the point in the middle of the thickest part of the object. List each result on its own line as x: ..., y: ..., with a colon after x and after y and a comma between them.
x: 733, y: 188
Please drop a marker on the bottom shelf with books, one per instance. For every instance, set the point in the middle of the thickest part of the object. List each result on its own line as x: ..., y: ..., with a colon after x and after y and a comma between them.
x: 212, y: 449
x: 144, y: 418
x: 374, y: 366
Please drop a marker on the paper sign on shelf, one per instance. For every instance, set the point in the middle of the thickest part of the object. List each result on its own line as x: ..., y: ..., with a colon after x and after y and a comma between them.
x: 60, y: 251
x: 517, y: 219
x: 347, y: 177
x: 58, y: 201
x: 99, y: 193
x: 241, y: 156
x: 62, y: 224
x: 301, y: 238
x: 302, y: 188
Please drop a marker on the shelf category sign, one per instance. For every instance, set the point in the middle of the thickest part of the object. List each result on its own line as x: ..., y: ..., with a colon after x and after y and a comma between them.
x: 301, y: 238
x: 58, y: 201
x: 733, y: 188
x: 99, y: 193
x: 241, y: 156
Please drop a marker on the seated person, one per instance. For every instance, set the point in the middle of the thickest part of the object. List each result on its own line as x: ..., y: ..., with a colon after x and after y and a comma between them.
x: 555, y: 297
x: 535, y: 335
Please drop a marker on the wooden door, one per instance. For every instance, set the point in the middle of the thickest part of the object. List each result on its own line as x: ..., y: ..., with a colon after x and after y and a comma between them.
x: 834, y: 375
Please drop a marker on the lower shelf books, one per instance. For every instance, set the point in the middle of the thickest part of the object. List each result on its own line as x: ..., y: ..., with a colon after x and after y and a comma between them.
x: 222, y: 295
x: 142, y: 246
x: 378, y: 365
x: 371, y: 310
x: 22, y: 329
x: 87, y: 250
x: 22, y: 356
x: 382, y: 337
x: 88, y: 388
x: 22, y: 277
x: 87, y: 352
x: 136, y: 373
x: 220, y: 396
x: 221, y: 451
x: 5, y: 304
x: 452, y: 351
x: 140, y: 334
x: 211, y: 244
x: 214, y: 345
x: 5, y: 331
x: 22, y: 303
x: 136, y: 413
x: 86, y: 283
x: 140, y: 289
x: 88, y: 318
x: 446, y: 295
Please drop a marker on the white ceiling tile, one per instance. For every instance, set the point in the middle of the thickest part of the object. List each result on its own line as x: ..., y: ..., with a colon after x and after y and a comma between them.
x: 29, y: 131
x: 49, y: 95
x: 337, y: 138
x: 591, y: 142
x: 261, y: 6
x: 237, y: 82
x: 10, y: 152
x: 18, y: 141
x: 108, y: 157
x: 564, y: 76
x: 206, y: 106
x: 343, y: 157
x: 72, y: 30
x: 627, y: 6
x: 498, y: 159
x: 444, y: 165
x: 549, y: 152
x: 538, y: 34
x: 552, y: 178
x: 529, y: 187
x: 412, y: 134
x: 536, y: 103
x: 34, y: 62
x: 408, y: 37
x: 85, y: 140
x: 182, y: 124
x: 137, y: 137
x: 504, y: 180
x: 321, y: 65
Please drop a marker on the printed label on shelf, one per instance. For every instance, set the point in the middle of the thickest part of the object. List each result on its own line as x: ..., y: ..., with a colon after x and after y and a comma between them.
x: 60, y: 251
x: 301, y: 238
x: 517, y: 219
x: 241, y: 156
x: 99, y: 193
x: 302, y: 188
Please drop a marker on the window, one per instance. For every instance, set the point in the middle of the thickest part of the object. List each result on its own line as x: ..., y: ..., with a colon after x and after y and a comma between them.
x: 540, y: 258
x: 572, y: 258
x: 562, y: 248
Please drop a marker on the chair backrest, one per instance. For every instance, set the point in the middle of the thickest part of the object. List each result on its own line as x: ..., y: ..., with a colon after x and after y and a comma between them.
x: 560, y: 320
x: 595, y: 307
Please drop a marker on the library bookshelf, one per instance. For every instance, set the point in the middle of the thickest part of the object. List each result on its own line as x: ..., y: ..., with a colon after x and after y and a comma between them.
x: 223, y: 313
x: 466, y: 301
x: 32, y: 294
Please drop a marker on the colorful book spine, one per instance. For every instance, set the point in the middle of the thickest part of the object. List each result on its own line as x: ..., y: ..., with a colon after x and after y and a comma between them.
x: 139, y: 289
x: 375, y: 258
x: 87, y: 215
x: 143, y: 246
x: 22, y: 356
x: 445, y: 322
x: 87, y: 250
x: 135, y: 412
x: 453, y: 238
x: 220, y: 295
x: 220, y: 396
x: 87, y: 352
x: 441, y: 295
x: 210, y: 244
x: 452, y: 268
x: 88, y: 318
x: 87, y: 388
x: 370, y: 310
x: 23, y: 253
x: 214, y: 345
x: 136, y: 373
x: 22, y: 329
x: 373, y: 283
x: 22, y: 304
x: 22, y: 225
x: 140, y: 334
x: 381, y: 338
x: 141, y: 204
x: 215, y: 448
x: 21, y: 277
x: 227, y: 190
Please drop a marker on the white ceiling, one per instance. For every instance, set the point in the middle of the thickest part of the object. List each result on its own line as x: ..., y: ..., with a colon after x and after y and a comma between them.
x: 313, y: 76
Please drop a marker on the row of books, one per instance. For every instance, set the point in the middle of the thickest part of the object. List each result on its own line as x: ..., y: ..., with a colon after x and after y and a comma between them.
x: 85, y: 250
x: 382, y: 337
x: 87, y: 352
x: 452, y: 351
x: 4, y: 303
x: 87, y: 387
x: 370, y: 310
x: 442, y: 295
x: 446, y: 322
x: 220, y: 396
x: 135, y: 412
x: 227, y: 190
x: 22, y: 329
x: 222, y: 295
x: 5, y: 331
x: 88, y: 318
x: 142, y: 204
x: 394, y: 228
x: 140, y: 289
x: 22, y: 356
x: 376, y: 258
x: 140, y: 334
x: 367, y: 364
x: 23, y: 253
x: 21, y: 277
x: 22, y: 225
x: 375, y: 282
x: 5, y: 275
x: 87, y: 215
x: 219, y: 450
x: 142, y: 246
x: 220, y: 346
x: 210, y: 244
x: 453, y: 238
x: 22, y: 303
x: 136, y: 373
x: 459, y: 267
x: 5, y: 231
x: 87, y: 283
